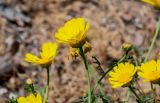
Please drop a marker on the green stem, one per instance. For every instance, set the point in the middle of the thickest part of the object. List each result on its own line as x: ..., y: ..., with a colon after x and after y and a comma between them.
x: 47, y: 86
x: 133, y: 91
x: 98, y: 86
x: 98, y: 82
x: 88, y: 74
x: 128, y: 96
x: 153, y: 41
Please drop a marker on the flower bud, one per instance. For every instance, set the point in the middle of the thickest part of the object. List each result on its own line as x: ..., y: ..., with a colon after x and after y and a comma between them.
x: 29, y: 81
x: 127, y: 47
x: 87, y: 47
x: 74, y: 52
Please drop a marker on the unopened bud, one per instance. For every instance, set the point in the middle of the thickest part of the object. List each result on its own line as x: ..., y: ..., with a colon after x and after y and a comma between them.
x: 126, y: 47
x: 29, y: 81
x: 87, y: 47
x: 74, y: 52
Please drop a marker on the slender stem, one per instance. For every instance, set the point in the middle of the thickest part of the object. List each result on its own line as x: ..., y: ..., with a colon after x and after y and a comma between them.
x: 47, y: 86
x: 98, y: 82
x: 128, y: 96
x: 99, y: 86
x: 133, y: 91
x: 88, y: 74
x: 32, y: 89
x: 153, y: 41
x: 140, y: 89
x: 154, y: 91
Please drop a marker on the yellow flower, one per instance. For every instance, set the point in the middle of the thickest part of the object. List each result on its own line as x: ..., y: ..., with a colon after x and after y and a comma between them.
x: 122, y: 75
x: 73, y: 32
x: 155, y: 3
x: 150, y: 71
x: 30, y: 99
x: 48, y: 53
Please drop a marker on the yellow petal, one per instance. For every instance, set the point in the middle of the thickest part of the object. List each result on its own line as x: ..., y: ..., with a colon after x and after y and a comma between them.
x: 149, y: 71
x: 39, y: 98
x: 22, y: 100
x: 31, y: 98
x: 49, y: 50
x: 31, y: 58
x: 155, y: 3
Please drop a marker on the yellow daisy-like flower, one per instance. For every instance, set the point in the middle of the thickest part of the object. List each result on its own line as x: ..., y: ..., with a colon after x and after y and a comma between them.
x: 150, y: 71
x: 73, y: 32
x: 30, y: 99
x: 122, y: 75
x: 155, y: 3
x: 48, y: 53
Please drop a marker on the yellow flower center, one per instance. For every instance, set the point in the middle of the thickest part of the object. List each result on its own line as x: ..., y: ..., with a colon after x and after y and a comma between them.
x: 124, y: 78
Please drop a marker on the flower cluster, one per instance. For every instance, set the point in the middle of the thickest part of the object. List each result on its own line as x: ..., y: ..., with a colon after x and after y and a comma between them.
x: 72, y: 33
x: 124, y: 73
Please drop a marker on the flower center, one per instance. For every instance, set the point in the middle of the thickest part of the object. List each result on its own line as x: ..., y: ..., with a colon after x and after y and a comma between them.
x: 124, y: 78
